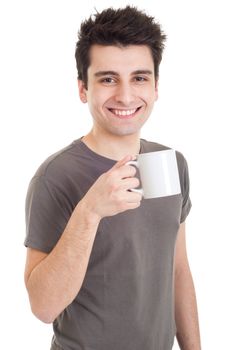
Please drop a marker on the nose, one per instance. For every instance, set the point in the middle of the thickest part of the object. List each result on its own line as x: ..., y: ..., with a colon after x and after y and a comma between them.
x: 125, y: 94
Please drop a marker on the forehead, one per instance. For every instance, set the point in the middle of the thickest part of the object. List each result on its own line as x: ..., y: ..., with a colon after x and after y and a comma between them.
x: 120, y: 59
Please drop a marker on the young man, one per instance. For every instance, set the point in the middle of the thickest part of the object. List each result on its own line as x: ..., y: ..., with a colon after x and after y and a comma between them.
x: 107, y: 267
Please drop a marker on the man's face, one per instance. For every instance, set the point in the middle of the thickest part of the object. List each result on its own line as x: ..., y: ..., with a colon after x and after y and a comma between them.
x: 121, y: 88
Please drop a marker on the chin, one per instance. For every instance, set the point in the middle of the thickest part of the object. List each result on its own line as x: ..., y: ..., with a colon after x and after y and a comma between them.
x: 125, y: 131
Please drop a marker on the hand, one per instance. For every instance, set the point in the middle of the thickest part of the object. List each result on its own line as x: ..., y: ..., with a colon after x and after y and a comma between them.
x: 110, y: 194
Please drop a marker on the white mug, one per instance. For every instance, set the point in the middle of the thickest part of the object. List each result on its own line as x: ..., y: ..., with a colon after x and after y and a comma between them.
x: 159, y: 174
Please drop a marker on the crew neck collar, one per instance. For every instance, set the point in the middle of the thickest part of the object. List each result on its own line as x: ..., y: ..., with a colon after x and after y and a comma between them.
x: 95, y: 155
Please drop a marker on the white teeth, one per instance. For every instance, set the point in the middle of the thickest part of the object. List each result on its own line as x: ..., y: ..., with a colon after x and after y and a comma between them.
x: 123, y: 113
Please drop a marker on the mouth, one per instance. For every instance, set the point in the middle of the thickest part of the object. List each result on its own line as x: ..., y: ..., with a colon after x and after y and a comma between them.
x: 124, y: 113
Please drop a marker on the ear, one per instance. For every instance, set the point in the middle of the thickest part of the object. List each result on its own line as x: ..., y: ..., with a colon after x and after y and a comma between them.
x: 156, y: 89
x: 82, y: 91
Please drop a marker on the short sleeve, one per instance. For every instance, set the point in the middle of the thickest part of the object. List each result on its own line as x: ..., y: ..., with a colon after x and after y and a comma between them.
x: 185, y: 188
x: 46, y: 215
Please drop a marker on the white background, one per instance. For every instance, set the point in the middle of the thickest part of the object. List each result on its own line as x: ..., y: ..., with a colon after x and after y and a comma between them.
x: 41, y: 113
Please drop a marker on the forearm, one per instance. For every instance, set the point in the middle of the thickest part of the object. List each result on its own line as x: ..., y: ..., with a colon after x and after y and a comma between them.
x: 186, y: 315
x: 57, y: 279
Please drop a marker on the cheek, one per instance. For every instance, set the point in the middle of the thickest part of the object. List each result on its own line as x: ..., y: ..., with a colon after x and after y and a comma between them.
x: 148, y: 94
x: 96, y: 106
x: 98, y: 98
x: 149, y: 99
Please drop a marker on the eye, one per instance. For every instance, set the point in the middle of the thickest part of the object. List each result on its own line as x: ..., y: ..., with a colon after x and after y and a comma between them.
x: 140, y: 79
x: 108, y: 80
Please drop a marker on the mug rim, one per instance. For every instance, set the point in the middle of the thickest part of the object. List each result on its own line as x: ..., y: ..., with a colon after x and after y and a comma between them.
x: 155, y: 152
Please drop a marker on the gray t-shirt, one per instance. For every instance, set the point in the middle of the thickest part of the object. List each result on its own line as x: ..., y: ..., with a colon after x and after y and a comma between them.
x: 126, y: 300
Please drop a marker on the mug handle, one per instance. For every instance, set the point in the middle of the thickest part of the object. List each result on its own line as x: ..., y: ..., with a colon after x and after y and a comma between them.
x: 136, y: 164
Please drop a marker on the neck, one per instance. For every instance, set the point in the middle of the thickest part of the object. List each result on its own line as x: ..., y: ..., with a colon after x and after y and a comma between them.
x: 113, y: 146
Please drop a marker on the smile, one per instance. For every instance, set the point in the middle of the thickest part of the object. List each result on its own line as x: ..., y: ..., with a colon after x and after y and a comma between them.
x: 124, y: 112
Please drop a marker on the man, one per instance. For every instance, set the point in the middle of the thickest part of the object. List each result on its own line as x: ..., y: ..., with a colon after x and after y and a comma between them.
x: 102, y: 263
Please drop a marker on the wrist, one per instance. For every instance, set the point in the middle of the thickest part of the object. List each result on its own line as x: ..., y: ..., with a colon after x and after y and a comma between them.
x: 87, y: 213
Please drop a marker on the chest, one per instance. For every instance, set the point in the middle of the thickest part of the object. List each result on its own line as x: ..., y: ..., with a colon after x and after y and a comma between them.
x: 137, y: 239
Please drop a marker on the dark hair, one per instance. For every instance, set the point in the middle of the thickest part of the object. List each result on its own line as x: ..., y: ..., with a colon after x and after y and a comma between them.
x: 120, y: 27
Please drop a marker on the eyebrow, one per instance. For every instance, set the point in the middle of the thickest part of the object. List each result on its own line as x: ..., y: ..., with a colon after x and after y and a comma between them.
x: 143, y: 71
x: 105, y: 72
x: 111, y: 72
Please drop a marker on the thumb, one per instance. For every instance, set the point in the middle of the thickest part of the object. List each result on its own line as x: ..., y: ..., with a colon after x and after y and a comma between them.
x: 122, y: 162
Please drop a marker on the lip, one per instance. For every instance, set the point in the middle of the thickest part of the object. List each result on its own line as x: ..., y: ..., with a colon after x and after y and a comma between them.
x: 126, y: 116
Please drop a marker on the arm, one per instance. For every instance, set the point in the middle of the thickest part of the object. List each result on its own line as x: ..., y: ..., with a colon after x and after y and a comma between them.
x: 53, y: 280
x: 188, y: 334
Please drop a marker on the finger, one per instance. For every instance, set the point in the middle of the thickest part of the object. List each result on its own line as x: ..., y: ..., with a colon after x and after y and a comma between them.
x: 133, y: 205
x: 125, y: 171
x: 133, y: 197
x: 128, y: 183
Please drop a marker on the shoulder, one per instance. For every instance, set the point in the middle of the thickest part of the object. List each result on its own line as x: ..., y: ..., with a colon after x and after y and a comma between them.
x: 150, y: 146
x: 59, y: 164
